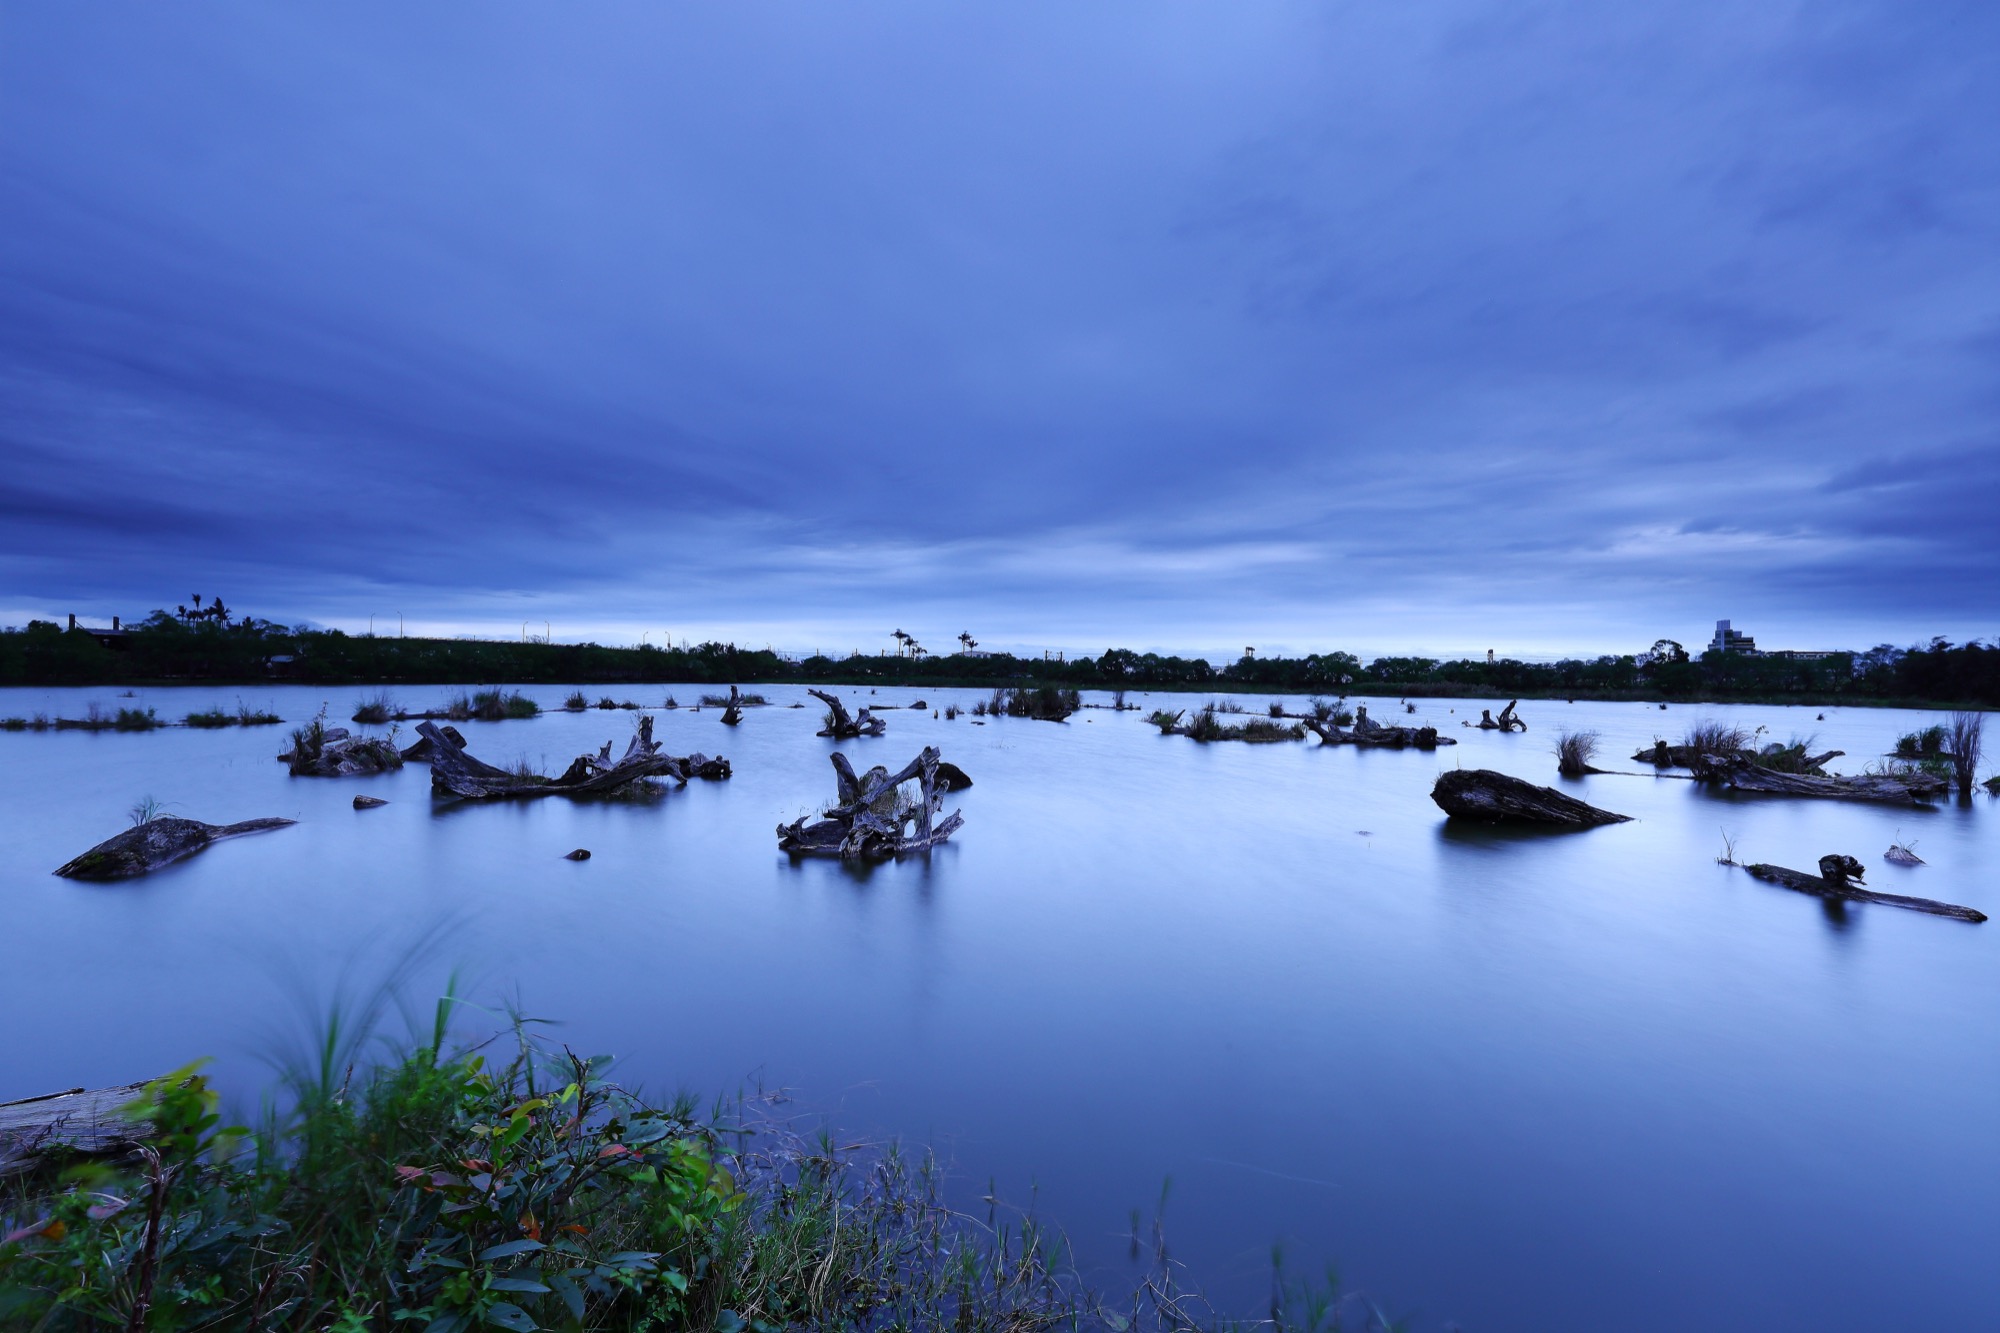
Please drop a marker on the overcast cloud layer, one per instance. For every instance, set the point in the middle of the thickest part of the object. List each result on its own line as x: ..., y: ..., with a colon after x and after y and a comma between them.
x: 1537, y: 326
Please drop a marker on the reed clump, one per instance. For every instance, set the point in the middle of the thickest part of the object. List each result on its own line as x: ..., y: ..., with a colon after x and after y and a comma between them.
x: 1045, y: 703
x: 1574, y: 752
x: 576, y: 702
x: 1206, y: 726
x: 376, y: 709
x: 1332, y: 712
x: 1718, y: 738
x: 1964, y: 737
x: 244, y: 716
x: 491, y: 706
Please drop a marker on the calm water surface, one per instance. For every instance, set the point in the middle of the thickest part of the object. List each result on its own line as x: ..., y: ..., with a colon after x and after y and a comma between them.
x: 1587, y: 1081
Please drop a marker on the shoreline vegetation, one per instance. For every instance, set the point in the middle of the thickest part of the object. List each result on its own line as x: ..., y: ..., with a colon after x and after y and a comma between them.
x: 165, y: 650
x: 516, y: 1187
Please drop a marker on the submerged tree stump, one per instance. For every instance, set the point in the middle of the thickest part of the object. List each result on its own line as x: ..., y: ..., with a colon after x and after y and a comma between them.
x: 867, y: 818
x: 839, y: 726
x: 334, y: 752
x: 733, y: 713
x: 1480, y: 793
x: 93, y: 1122
x: 1839, y: 879
x: 457, y: 774
x: 1505, y: 722
x: 1739, y: 773
x: 156, y: 843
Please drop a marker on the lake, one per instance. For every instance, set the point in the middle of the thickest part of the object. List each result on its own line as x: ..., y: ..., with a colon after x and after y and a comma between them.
x: 1514, y: 1081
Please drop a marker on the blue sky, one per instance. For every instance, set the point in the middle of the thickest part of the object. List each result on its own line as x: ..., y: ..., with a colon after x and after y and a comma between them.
x: 1544, y: 327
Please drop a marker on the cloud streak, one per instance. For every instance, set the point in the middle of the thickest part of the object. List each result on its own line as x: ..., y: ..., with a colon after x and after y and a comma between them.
x: 1543, y: 325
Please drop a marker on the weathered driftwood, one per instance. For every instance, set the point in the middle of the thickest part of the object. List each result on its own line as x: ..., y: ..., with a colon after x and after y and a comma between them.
x: 1839, y: 879
x: 1370, y: 733
x: 840, y: 726
x: 733, y: 714
x: 1480, y: 793
x: 93, y: 1122
x: 456, y: 773
x: 1900, y: 855
x: 1505, y: 722
x: 420, y: 752
x: 334, y: 752
x: 156, y: 843
x: 869, y: 818
x: 1739, y: 773
x: 1663, y: 755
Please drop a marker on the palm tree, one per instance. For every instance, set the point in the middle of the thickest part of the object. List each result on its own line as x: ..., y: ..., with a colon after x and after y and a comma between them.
x: 969, y: 642
x: 902, y: 639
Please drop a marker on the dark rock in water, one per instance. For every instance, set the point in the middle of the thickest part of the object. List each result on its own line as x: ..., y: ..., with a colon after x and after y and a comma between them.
x: 1841, y: 869
x: 368, y: 802
x: 1480, y: 793
x: 156, y: 843
x: 420, y: 753
x: 920, y: 704
x: 950, y: 777
x: 580, y: 854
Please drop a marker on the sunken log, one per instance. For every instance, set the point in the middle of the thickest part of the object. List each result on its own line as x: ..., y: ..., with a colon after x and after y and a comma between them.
x: 156, y: 843
x: 1480, y: 793
x: 455, y: 773
x: 1740, y: 774
x: 1843, y: 885
x: 840, y: 726
x: 869, y: 819
x: 1505, y: 722
x: 420, y: 753
x: 334, y: 752
x: 89, y: 1122
x: 733, y: 714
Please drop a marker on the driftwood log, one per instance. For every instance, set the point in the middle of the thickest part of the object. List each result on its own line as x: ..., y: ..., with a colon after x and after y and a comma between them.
x: 93, y: 1122
x: 840, y: 726
x: 1738, y: 773
x: 1839, y: 879
x: 869, y: 818
x: 1505, y: 722
x: 733, y: 714
x: 456, y: 773
x: 1480, y: 793
x: 334, y: 752
x: 420, y: 752
x: 1663, y: 755
x: 1368, y: 732
x: 156, y: 843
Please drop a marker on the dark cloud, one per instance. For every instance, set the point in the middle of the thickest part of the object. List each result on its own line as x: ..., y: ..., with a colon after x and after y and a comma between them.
x: 1548, y: 323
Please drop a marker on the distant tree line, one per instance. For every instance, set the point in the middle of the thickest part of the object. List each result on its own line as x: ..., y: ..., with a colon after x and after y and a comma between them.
x: 170, y: 647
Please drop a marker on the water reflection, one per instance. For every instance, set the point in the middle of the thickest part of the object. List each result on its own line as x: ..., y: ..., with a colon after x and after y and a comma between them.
x: 1514, y: 1078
